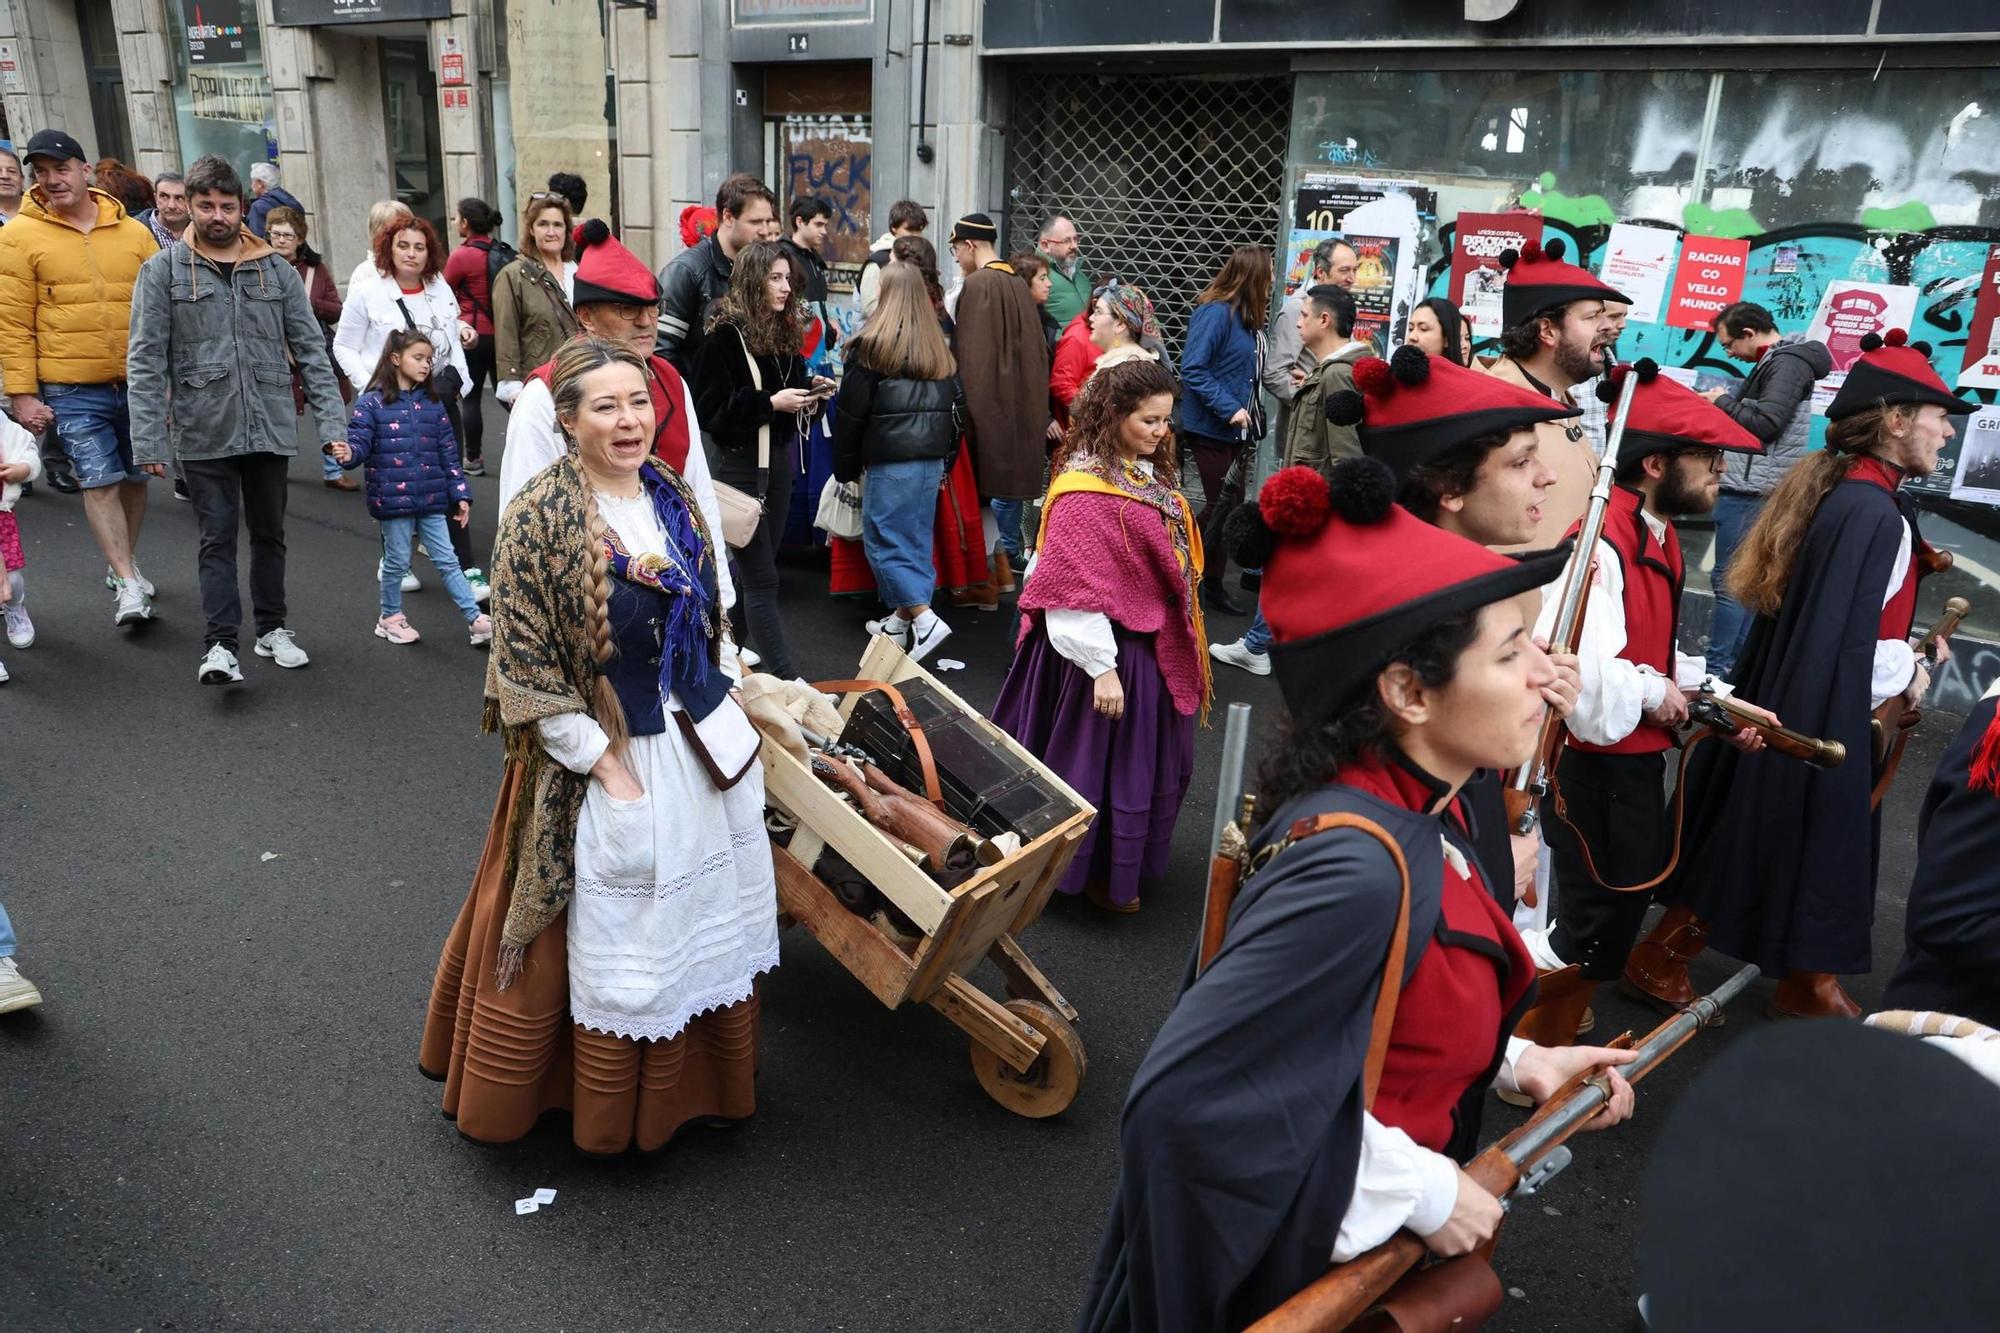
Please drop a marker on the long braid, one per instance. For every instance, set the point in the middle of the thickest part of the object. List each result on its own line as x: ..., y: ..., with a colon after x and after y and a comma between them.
x: 597, y: 607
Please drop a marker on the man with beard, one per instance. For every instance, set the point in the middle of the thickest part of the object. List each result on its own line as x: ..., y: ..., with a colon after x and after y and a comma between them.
x: 233, y: 434
x: 1612, y: 827
x: 1557, y: 330
x: 1780, y: 864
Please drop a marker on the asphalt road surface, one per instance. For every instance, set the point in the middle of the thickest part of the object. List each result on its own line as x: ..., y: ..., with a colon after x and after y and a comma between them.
x: 233, y: 899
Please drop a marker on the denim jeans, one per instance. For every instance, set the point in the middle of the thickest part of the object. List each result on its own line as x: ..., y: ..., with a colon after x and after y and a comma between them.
x: 433, y: 530
x: 1734, y: 513
x: 1257, y: 638
x: 1008, y: 514
x: 898, y: 522
x: 96, y: 432
x: 6, y: 934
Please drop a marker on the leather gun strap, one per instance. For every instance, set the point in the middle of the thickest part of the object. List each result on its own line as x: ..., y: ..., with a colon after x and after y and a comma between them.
x: 932, y: 789
x: 1399, y: 941
x: 1583, y: 845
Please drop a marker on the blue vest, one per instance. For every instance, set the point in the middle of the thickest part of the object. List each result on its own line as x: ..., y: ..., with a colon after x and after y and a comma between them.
x: 639, y: 614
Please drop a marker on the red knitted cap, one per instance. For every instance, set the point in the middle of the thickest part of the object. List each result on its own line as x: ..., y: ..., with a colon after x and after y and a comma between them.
x: 1415, y: 408
x: 1668, y: 415
x: 607, y: 271
x: 1893, y: 370
x: 1537, y: 278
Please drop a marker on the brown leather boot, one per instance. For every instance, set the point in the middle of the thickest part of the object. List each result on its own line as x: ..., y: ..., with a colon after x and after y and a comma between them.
x: 1812, y: 995
x: 1003, y: 572
x: 1559, y: 1008
x: 1657, y: 967
x: 980, y: 596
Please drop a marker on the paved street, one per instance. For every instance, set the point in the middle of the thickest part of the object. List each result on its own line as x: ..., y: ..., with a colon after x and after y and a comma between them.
x: 234, y: 899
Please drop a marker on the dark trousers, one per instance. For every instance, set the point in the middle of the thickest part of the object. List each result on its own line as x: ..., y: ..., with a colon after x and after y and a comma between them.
x: 249, y: 488
x: 51, y: 450
x: 759, y: 624
x: 1212, y: 460
x: 1618, y: 802
x: 479, y: 360
x: 461, y: 411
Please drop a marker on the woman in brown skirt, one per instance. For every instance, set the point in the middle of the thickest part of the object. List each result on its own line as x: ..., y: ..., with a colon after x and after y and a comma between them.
x: 605, y: 960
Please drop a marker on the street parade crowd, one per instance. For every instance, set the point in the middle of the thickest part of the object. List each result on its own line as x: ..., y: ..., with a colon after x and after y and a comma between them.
x: 1454, y: 550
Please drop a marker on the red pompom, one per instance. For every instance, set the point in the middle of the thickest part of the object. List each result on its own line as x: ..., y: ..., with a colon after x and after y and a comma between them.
x: 1373, y: 377
x: 1896, y: 337
x: 1295, y: 502
x: 1532, y: 252
x: 697, y: 222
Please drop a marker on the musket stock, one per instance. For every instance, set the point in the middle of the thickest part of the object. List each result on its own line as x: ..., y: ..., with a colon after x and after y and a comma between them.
x: 1511, y: 1166
x: 1727, y: 717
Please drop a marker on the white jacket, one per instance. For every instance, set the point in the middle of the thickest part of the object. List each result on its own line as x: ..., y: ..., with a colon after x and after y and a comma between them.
x: 17, y: 446
x: 370, y: 314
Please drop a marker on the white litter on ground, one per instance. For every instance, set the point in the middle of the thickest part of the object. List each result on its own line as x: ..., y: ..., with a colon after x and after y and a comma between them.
x: 950, y: 664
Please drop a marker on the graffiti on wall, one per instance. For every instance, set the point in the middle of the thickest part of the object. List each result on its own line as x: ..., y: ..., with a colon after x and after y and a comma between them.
x: 833, y: 158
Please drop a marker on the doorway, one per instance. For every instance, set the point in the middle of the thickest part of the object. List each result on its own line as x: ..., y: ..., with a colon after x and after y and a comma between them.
x: 410, y: 111
x: 819, y: 140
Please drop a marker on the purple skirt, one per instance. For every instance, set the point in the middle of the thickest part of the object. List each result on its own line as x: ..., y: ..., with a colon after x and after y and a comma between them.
x: 1135, y: 770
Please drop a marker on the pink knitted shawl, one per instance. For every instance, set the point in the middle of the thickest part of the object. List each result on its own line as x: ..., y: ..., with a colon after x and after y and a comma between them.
x: 1113, y: 555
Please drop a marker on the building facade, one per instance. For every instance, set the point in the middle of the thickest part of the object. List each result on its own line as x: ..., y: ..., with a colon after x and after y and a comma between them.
x: 1844, y: 141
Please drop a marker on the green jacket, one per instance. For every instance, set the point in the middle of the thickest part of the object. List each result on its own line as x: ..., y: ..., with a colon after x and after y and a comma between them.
x: 1309, y: 437
x: 1069, y: 295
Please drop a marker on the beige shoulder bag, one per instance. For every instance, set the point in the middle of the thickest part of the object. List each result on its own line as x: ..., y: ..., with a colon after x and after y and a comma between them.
x: 742, y: 512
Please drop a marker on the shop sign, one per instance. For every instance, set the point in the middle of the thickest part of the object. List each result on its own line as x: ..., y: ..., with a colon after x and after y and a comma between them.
x: 236, y: 97
x: 1710, y: 277
x: 1476, y: 276
x: 10, y: 68
x: 1636, y: 262
x: 1981, y: 367
x: 311, y: 13
x: 791, y: 11
x: 451, y: 62
x: 214, y: 30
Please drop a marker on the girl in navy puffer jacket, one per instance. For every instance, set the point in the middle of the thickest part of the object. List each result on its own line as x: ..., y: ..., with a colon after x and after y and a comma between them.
x: 401, y: 434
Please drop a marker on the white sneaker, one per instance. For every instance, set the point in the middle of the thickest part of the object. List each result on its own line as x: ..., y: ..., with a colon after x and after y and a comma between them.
x: 20, y: 629
x: 921, y: 636
x: 410, y: 581
x: 134, y: 603
x: 16, y: 991
x: 749, y: 657
x: 1236, y: 655
x: 4, y: 677
x: 219, y: 667
x: 891, y: 626
x: 279, y: 646
x: 482, y: 591
x: 111, y: 579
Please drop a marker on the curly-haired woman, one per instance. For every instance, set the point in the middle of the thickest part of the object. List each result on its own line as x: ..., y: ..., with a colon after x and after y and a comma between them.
x: 753, y: 393
x: 1111, y: 665
x: 606, y: 956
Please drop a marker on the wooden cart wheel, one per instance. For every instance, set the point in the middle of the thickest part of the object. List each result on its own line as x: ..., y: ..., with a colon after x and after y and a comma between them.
x: 1051, y: 1083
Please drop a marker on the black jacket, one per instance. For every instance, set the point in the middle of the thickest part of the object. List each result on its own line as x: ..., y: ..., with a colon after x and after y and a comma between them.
x: 879, y: 420
x: 690, y: 285
x: 732, y: 408
x: 1951, y: 962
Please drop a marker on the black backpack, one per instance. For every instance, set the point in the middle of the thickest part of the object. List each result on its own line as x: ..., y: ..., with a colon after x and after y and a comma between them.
x: 499, y: 254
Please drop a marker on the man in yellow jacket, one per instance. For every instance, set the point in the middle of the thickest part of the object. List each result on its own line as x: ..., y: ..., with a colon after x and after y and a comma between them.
x: 68, y: 261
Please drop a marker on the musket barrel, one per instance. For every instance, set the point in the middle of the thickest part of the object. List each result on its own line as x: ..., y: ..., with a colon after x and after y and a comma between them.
x: 1664, y: 1041
x: 1229, y: 787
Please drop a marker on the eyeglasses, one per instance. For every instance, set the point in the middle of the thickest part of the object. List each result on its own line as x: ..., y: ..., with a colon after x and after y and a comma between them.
x: 550, y: 195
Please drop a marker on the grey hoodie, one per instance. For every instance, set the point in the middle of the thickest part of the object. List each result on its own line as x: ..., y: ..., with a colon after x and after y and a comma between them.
x: 1775, y: 405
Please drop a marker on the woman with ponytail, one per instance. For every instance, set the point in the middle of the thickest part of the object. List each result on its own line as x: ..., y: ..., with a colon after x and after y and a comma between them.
x: 606, y: 956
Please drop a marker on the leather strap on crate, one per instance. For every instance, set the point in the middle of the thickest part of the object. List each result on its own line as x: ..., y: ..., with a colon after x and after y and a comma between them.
x: 908, y: 720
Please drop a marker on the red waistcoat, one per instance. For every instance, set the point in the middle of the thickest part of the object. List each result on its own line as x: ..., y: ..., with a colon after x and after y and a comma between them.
x: 1473, y: 974
x: 671, y: 437
x: 1899, y: 615
x: 1653, y: 577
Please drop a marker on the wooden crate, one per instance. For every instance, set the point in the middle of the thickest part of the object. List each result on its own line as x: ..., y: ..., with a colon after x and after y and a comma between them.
x: 961, y: 925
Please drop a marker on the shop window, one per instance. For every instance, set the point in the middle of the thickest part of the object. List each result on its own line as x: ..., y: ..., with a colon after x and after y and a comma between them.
x: 222, y: 99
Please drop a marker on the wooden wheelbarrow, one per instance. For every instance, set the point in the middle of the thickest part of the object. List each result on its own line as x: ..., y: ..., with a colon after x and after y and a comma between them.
x: 1025, y: 1051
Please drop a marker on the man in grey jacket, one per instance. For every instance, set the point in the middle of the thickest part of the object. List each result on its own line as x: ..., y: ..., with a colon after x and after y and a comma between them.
x: 218, y: 321
x: 1774, y: 403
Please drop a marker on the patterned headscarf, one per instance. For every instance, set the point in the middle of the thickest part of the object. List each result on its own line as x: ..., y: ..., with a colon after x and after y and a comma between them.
x: 1131, y: 307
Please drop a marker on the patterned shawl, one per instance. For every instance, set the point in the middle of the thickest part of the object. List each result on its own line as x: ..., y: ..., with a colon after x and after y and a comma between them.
x: 542, y: 666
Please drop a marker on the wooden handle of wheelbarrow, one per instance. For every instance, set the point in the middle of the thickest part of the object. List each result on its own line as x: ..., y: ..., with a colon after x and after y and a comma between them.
x: 901, y: 706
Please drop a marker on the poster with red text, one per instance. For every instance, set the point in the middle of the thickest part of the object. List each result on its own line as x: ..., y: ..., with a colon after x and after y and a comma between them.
x: 1710, y: 277
x: 1981, y: 367
x: 1476, y: 276
x: 1850, y: 311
